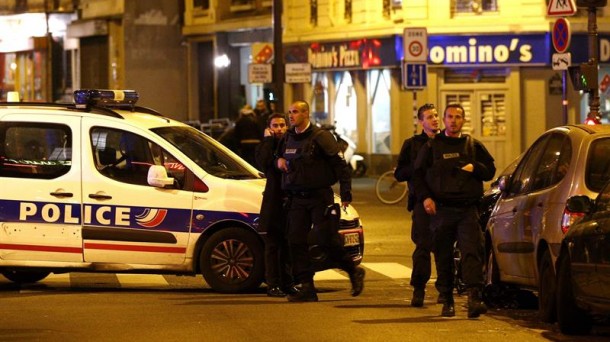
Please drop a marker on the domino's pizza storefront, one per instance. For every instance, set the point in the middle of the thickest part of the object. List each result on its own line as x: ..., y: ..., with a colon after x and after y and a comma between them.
x: 504, y: 81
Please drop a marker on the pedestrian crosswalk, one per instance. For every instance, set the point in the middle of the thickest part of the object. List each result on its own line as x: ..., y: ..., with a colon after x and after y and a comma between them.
x: 375, y: 270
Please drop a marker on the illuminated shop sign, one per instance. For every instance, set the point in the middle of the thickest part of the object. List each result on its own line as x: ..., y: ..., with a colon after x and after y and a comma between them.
x: 356, y: 54
x: 505, y: 49
x: 528, y: 49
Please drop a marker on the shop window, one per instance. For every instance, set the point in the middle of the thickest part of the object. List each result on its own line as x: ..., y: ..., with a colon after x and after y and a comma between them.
x: 379, y: 82
x: 493, y: 114
x: 473, y: 6
x: 345, y: 107
x: 319, y: 101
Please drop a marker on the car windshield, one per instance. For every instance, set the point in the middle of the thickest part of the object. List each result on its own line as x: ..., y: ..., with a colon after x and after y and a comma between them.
x: 206, y: 152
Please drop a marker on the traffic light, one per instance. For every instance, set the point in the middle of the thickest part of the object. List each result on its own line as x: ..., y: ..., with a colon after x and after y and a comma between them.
x: 592, y: 121
x: 591, y: 3
x: 584, y: 76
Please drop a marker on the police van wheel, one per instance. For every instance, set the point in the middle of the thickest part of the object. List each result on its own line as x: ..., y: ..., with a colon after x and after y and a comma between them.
x: 232, y: 261
x: 25, y: 277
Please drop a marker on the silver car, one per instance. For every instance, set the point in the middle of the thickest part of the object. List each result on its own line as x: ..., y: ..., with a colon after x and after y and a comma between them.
x: 529, y: 220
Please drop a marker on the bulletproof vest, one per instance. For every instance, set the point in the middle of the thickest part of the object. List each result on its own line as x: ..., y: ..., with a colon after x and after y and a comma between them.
x: 446, y: 179
x: 308, y: 167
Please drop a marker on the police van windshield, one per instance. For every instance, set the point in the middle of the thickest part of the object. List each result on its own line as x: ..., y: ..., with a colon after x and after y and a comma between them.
x: 212, y: 157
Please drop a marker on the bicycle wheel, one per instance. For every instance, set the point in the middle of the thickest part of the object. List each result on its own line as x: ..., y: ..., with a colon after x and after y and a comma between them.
x: 389, y: 190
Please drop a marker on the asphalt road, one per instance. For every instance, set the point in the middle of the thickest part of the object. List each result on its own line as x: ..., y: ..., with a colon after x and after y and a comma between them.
x: 111, y: 307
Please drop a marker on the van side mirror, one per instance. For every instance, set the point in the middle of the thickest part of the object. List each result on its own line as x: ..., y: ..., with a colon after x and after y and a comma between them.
x: 579, y: 204
x: 157, y: 177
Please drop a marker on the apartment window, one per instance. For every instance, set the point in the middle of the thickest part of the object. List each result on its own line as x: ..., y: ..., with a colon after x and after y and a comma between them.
x: 347, y: 15
x: 242, y: 5
x: 201, y: 4
x: 474, y: 6
x: 313, y: 12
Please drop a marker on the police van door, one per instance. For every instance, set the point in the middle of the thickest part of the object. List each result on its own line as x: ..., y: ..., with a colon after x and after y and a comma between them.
x: 41, y: 191
x: 125, y: 219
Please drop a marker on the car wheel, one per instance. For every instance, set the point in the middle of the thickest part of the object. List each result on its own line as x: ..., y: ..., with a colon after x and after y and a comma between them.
x: 546, y: 289
x: 232, y: 261
x: 25, y: 277
x: 572, y: 320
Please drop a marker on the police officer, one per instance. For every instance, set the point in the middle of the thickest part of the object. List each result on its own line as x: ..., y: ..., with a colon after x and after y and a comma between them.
x: 449, y: 174
x: 272, y: 218
x: 310, y: 161
x: 427, y: 116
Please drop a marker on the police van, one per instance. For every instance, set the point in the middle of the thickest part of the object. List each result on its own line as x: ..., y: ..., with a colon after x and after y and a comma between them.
x: 103, y: 185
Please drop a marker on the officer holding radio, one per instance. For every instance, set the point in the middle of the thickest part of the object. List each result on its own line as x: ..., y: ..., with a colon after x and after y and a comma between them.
x: 310, y: 163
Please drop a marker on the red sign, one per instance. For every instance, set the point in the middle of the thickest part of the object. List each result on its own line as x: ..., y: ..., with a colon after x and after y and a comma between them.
x: 561, y: 35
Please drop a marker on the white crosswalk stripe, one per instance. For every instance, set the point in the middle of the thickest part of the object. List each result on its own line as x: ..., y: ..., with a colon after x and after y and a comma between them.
x: 375, y: 270
x: 141, y: 280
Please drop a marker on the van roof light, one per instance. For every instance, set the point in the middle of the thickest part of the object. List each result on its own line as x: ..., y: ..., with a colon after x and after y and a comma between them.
x: 84, y: 98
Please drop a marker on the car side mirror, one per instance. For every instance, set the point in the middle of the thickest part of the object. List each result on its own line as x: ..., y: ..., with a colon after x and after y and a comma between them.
x: 503, y: 183
x: 157, y: 177
x: 579, y: 204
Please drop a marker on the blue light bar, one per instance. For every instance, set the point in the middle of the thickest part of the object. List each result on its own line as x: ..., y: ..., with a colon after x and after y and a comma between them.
x: 84, y: 98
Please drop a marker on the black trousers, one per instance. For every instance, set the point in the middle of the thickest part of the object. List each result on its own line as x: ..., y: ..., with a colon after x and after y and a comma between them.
x: 305, y: 210
x: 277, y: 263
x: 451, y: 224
x: 421, y: 235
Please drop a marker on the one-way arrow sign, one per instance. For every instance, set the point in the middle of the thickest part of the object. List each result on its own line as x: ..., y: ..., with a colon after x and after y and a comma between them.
x: 561, y: 8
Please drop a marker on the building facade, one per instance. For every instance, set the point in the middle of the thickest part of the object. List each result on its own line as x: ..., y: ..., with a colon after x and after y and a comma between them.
x: 492, y: 56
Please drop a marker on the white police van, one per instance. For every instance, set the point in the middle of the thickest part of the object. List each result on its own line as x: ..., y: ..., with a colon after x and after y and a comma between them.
x: 103, y: 185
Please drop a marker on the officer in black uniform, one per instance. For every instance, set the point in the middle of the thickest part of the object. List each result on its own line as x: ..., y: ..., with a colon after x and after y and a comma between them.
x: 310, y: 161
x: 420, y: 226
x: 449, y: 174
x: 272, y: 218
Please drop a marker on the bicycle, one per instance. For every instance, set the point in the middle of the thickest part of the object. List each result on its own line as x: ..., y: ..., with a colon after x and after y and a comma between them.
x: 389, y: 190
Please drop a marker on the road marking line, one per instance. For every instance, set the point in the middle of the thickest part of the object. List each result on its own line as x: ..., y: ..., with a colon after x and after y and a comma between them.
x: 389, y: 269
x: 127, y: 280
x: 329, y: 275
x: 57, y: 278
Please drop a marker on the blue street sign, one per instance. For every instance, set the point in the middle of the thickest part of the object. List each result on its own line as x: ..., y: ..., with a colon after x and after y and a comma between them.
x: 415, y: 75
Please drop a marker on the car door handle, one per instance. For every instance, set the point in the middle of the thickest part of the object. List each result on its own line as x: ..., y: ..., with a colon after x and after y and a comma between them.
x: 61, y: 194
x: 100, y: 197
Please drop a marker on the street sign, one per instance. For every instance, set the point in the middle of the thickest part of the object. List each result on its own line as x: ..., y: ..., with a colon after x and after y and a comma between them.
x: 561, y: 61
x: 414, y: 75
x: 259, y: 73
x: 415, y: 44
x: 561, y: 35
x: 298, y: 72
x: 561, y: 8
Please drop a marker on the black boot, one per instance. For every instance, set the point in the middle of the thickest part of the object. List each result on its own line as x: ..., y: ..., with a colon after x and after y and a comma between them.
x: 448, y: 306
x: 356, y: 277
x: 476, y: 307
x: 307, y: 293
x: 418, y: 297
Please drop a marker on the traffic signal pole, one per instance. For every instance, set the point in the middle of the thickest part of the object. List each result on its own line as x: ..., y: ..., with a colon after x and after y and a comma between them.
x: 593, y: 60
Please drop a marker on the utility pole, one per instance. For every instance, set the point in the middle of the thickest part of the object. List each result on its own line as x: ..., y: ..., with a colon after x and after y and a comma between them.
x: 591, y: 5
x: 278, y: 56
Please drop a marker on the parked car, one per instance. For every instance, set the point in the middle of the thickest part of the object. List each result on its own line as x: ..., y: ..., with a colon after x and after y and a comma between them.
x: 103, y: 185
x: 491, y: 195
x: 583, y: 265
x: 527, y: 224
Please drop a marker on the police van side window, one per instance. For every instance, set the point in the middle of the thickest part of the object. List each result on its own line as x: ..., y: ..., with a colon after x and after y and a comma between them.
x: 35, y: 150
x: 126, y: 157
